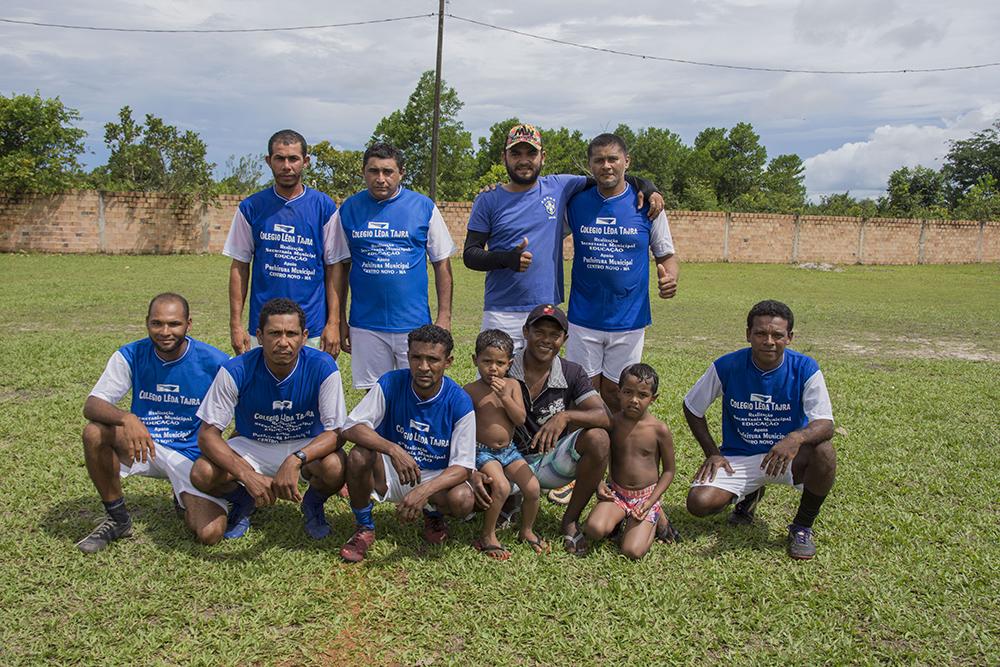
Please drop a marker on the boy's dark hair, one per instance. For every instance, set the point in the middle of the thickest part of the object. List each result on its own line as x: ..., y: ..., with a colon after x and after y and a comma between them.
x: 642, y: 373
x: 169, y: 296
x: 494, y: 338
x: 288, y: 138
x: 281, y: 306
x: 383, y: 151
x: 431, y: 333
x: 771, y: 308
x: 606, y: 139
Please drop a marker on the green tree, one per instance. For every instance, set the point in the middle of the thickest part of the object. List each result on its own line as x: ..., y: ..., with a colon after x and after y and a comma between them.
x: 565, y: 151
x: 244, y: 175
x: 782, y: 188
x: 981, y: 202
x: 968, y: 160
x: 410, y: 129
x: 732, y: 162
x: 38, y: 145
x: 917, y: 192
x: 491, y: 147
x: 843, y: 204
x: 335, y: 172
x: 155, y: 157
x: 659, y: 155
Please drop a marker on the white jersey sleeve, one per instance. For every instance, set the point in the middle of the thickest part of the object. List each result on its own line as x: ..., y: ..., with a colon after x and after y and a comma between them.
x: 239, y: 243
x: 439, y: 242
x: 115, y: 381
x: 815, y: 398
x: 370, y: 411
x: 332, y: 410
x: 704, y: 392
x: 463, y: 442
x: 219, y: 404
x: 661, y: 243
x: 335, y: 247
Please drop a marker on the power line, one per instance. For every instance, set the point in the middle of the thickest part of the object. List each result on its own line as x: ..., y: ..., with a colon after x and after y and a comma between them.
x: 217, y: 30
x: 682, y: 61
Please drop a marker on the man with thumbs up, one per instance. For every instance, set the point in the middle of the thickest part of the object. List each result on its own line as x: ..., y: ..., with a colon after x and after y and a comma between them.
x: 609, y: 299
x: 521, y: 222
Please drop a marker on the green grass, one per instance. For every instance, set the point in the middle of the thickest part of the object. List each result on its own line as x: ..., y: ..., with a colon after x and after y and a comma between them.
x: 908, y: 561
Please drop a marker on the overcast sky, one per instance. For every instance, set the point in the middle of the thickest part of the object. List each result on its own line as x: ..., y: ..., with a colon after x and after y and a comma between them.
x: 336, y: 83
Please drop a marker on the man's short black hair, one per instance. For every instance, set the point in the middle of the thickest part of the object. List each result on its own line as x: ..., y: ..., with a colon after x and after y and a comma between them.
x: 433, y: 334
x: 281, y: 306
x: 494, y: 338
x: 287, y: 137
x: 169, y: 296
x: 771, y: 308
x: 606, y: 139
x: 642, y: 373
x: 383, y: 151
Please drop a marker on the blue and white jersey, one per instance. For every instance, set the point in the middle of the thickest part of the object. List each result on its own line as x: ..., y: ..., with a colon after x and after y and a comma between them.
x: 759, y: 408
x: 165, y: 394
x: 271, y: 411
x: 438, y: 432
x: 287, y: 243
x: 388, y: 243
x: 611, y: 241
x: 538, y: 215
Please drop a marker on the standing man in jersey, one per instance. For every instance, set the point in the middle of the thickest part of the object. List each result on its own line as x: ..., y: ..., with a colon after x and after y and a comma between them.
x: 288, y: 405
x: 168, y: 373
x: 283, y: 236
x: 522, y: 224
x: 385, y: 235
x: 777, y: 425
x: 415, y: 444
x: 609, y: 294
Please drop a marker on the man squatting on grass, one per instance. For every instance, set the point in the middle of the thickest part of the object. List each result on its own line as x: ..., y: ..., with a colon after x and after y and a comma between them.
x: 777, y: 425
x: 288, y: 405
x: 283, y: 236
x: 168, y: 373
x: 415, y: 444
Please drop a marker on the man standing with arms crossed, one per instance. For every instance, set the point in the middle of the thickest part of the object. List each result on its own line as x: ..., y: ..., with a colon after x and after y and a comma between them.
x: 383, y: 238
x: 282, y: 235
x: 522, y: 223
x: 168, y: 373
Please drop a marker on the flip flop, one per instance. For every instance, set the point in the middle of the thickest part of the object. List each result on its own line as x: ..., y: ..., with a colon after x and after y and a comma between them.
x: 538, y: 544
x: 494, y: 551
x: 668, y: 535
x: 573, y: 546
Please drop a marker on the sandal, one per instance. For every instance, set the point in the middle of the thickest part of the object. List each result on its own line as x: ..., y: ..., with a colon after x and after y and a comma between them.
x: 576, y: 545
x: 667, y: 534
x: 538, y: 544
x: 494, y: 551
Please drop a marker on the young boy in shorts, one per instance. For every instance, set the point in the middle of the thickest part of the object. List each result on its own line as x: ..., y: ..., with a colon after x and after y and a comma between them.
x: 499, y: 409
x: 640, y: 443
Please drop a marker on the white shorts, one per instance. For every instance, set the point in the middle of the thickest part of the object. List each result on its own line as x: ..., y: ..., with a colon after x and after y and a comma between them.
x: 396, y: 491
x: 605, y: 353
x: 311, y: 342
x: 169, y: 464
x: 265, y: 458
x: 375, y: 353
x: 511, y: 323
x: 747, y: 477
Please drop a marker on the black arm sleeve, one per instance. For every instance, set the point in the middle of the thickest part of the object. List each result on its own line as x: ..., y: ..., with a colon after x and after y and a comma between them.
x: 478, y: 258
x: 642, y: 185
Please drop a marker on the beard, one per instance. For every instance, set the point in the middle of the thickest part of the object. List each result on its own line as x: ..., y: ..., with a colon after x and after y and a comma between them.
x: 514, y: 178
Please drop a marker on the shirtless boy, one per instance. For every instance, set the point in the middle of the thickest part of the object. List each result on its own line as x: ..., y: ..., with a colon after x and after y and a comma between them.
x: 639, y: 444
x: 499, y: 409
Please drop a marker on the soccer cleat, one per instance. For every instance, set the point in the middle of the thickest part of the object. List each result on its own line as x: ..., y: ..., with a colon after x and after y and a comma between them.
x: 743, y: 513
x: 238, y: 521
x: 316, y: 524
x: 354, y: 549
x: 435, y: 529
x: 562, y: 495
x: 801, y: 545
x: 106, y: 532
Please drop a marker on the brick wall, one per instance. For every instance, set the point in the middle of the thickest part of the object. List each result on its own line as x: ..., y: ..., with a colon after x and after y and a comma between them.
x: 141, y: 222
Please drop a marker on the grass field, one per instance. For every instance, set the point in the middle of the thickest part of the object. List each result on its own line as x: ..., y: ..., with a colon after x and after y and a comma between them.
x: 908, y: 566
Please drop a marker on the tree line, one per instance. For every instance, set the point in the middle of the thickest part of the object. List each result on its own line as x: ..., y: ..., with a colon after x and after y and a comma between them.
x: 723, y: 169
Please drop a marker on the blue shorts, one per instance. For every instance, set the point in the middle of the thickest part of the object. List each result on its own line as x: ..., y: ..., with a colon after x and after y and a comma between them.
x: 504, y: 456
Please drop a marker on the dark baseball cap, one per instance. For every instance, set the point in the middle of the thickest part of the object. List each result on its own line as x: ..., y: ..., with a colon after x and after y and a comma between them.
x: 547, y: 310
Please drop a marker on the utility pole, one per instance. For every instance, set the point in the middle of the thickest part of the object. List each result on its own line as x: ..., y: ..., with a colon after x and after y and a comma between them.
x: 437, y: 104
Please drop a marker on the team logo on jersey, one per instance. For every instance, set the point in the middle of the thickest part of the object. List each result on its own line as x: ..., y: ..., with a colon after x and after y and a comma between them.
x: 284, y: 229
x: 281, y: 405
x: 419, y: 426
x: 760, y: 398
x: 373, y: 224
x: 550, y: 206
x: 606, y: 221
x: 170, y: 388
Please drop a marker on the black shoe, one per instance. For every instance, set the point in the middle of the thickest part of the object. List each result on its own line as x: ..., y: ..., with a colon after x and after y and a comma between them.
x: 107, y: 532
x: 742, y: 514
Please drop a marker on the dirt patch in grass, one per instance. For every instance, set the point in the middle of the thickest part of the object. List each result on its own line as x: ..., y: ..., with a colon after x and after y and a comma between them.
x: 913, y: 347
